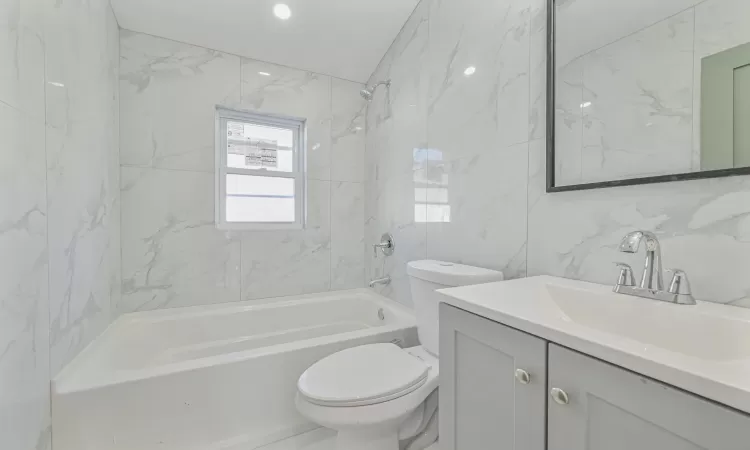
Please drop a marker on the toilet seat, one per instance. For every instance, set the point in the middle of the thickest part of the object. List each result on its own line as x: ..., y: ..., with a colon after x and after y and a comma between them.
x: 362, y: 376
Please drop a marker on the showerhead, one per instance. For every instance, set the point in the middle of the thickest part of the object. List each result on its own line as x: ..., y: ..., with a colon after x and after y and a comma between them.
x: 368, y: 93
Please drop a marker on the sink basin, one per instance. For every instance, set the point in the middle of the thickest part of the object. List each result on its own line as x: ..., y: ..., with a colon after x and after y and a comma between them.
x: 676, y: 328
x: 703, y: 348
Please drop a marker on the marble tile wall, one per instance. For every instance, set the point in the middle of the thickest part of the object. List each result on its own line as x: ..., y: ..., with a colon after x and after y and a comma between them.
x: 481, y: 138
x: 173, y: 255
x: 59, y: 243
x: 82, y: 59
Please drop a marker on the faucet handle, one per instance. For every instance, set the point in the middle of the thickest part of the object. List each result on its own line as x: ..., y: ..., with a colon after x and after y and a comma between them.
x: 680, y: 284
x: 680, y: 287
x: 626, y: 275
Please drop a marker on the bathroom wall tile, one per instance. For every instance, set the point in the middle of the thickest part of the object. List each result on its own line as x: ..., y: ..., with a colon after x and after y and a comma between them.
x: 487, y: 224
x: 637, y: 103
x: 81, y: 137
x: 397, y: 199
x: 396, y: 118
x: 569, y: 234
x: 538, y: 69
x: 78, y: 62
x: 396, y: 156
x: 719, y: 25
x: 79, y: 217
x: 158, y: 269
x: 24, y: 305
x: 347, y: 235
x: 169, y: 91
x: 57, y: 103
x: 347, y: 131
x: 486, y: 110
x: 575, y: 235
x: 273, y: 89
x: 22, y: 57
x: 115, y: 256
x: 279, y: 263
x: 172, y: 253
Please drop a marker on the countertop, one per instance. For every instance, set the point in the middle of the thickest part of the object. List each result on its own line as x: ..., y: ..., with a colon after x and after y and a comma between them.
x: 721, y: 372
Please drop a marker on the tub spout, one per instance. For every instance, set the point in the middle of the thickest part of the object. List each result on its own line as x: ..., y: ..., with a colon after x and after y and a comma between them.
x: 384, y: 281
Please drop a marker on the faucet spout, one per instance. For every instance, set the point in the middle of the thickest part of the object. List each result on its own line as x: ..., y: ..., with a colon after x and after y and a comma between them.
x: 653, y: 277
x: 384, y: 281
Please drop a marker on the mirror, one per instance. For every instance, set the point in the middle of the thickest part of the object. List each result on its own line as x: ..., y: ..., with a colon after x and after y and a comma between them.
x: 646, y: 91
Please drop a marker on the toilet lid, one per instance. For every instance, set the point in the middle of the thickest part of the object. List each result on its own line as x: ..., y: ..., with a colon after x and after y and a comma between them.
x: 363, y: 375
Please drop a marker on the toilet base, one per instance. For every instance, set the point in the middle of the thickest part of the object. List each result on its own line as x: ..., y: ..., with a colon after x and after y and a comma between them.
x: 354, y: 440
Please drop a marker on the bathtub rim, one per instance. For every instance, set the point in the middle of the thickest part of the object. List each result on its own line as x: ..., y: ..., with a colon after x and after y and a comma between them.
x: 69, y: 381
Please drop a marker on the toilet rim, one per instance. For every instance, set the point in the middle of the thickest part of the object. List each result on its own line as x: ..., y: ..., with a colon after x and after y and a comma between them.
x: 363, y: 375
x: 366, y: 401
x: 368, y: 415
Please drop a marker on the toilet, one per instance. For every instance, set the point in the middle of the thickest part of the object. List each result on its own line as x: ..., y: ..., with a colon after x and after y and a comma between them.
x: 380, y: 396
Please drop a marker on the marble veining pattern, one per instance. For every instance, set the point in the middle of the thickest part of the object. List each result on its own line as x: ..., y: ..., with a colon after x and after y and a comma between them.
x: 284, y: 91
x: 24, y: 302
x: 168, y: 94
x: 703, y: 224
x: 279, y: 263
x: 173, y: 255
x: 82, y: 59
x: 347, y: 242
x: 487, y: 198
x: 58, y: 239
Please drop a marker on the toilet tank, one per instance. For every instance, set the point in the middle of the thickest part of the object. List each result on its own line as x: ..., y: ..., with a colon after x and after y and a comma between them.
x: 428, y: 276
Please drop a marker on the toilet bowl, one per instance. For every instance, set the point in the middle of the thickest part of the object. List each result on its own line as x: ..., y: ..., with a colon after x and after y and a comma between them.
x: 379, y: 396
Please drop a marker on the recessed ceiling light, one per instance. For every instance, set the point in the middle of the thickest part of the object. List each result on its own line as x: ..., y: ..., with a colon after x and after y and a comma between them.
x: 265, y: 74
x: 282, y: 11
x: 471, y: 70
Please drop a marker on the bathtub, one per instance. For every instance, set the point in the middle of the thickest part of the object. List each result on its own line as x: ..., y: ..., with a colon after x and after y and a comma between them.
x: 212, y: 377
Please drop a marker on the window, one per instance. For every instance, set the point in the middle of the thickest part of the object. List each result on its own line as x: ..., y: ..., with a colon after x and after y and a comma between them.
x: 260, y: 181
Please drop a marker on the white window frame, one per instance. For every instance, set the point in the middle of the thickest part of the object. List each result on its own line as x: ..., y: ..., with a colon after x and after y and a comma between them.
x: 297, y: 126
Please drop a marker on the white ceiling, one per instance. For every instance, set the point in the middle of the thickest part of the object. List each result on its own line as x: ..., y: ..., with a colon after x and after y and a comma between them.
x: 343, y: 38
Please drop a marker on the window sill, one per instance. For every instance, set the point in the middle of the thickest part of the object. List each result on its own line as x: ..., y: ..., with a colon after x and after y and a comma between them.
x: 244, y: 226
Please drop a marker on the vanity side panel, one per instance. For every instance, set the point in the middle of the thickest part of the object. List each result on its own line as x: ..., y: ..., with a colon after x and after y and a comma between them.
x: 482, y: 404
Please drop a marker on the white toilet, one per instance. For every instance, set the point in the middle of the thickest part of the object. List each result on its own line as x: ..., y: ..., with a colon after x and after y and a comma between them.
x: 379, y: 396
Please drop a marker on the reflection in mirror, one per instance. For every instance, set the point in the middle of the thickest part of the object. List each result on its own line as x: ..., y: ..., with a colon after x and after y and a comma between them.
x: 649, y: 88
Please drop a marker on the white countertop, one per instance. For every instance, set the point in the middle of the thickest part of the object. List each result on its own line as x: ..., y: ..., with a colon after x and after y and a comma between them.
x: 704, y: 349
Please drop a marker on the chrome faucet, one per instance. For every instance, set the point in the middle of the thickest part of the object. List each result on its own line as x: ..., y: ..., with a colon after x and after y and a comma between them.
x: 384, y: 281
x: 652, y: 281
x: 387, y: 245
x: 653, y: 270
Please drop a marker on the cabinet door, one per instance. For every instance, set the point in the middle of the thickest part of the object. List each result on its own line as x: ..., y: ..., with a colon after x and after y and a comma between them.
x: 610, y: 408
x: 483, y: 405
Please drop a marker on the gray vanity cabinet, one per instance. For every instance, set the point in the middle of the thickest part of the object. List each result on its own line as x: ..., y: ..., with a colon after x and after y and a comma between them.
x: 486, y: 399
x: 610, y: 408
x: 570, y: 401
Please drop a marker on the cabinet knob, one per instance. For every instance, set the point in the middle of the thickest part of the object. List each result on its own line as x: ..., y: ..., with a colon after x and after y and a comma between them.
x: 560, y: 397
x: 522, y: 376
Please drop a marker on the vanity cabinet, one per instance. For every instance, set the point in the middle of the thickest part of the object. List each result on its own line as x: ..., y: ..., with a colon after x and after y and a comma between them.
x: 570, y: 401
x: 610, y: 408
x: 492, y: 385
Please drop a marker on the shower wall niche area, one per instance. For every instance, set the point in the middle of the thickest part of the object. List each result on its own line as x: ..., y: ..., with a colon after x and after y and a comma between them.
x: 173, y: 254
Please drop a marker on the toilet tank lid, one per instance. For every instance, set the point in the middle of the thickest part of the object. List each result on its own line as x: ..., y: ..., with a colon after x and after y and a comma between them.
x: 450, y: 274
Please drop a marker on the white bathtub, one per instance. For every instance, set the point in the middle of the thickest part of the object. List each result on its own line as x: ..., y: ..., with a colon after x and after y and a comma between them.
x: 213, y: 377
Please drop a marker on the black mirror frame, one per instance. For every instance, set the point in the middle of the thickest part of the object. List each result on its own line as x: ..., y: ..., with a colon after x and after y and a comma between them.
x: 551, y: 105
